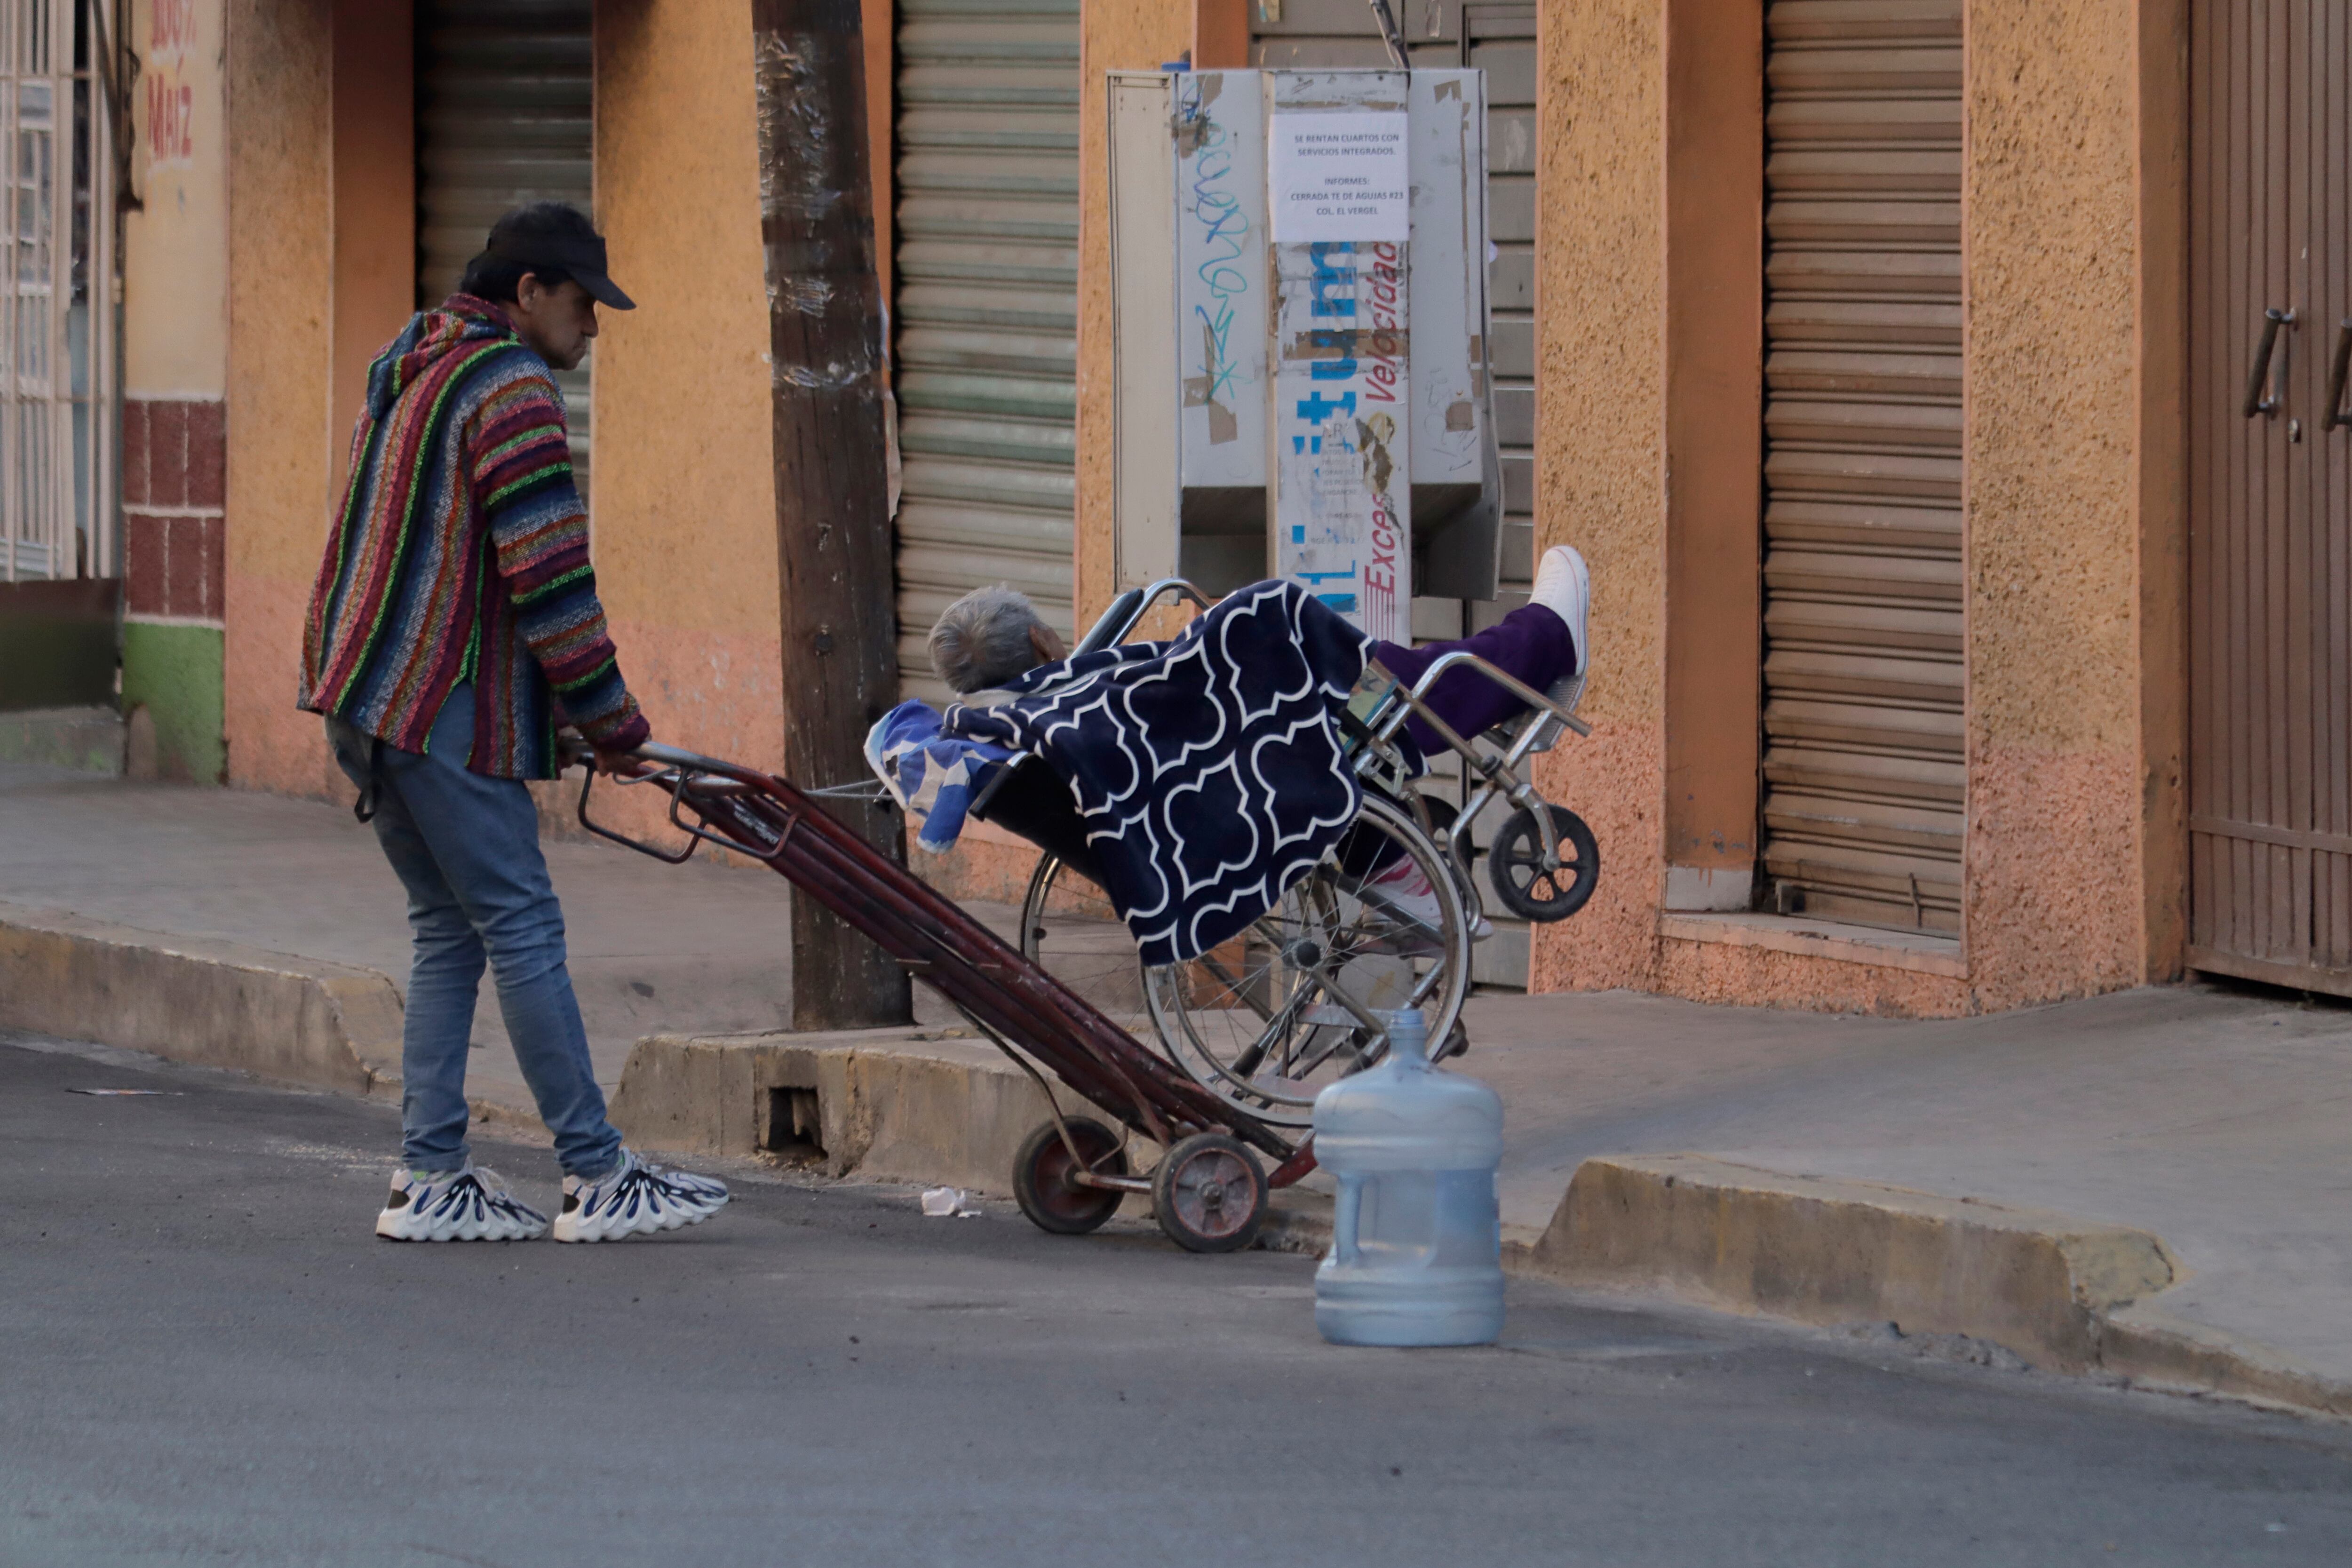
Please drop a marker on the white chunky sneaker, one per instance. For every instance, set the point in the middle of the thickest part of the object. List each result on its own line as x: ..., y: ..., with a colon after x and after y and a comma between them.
x: 1564, y: 587
x: 455, y: 1206
x: 635, y: 1198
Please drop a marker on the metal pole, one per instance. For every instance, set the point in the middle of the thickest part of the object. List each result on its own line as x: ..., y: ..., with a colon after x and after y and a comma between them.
x: 833, y: 521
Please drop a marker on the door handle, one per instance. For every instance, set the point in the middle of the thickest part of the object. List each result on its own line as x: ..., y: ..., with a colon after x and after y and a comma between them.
x: 2272, y: 319
x: 2336, y: 411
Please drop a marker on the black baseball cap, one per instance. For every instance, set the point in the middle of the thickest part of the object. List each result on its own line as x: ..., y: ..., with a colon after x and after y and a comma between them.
x: 549, y: 233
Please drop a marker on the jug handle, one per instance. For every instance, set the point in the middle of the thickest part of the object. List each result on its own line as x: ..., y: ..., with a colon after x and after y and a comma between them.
x: 1343, y: 1221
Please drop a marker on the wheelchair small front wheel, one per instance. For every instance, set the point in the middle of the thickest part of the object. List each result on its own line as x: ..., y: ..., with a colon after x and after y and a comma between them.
x: 1527, y: 886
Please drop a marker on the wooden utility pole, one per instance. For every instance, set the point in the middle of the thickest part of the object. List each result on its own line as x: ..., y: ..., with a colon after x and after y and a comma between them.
x: 833, y: 516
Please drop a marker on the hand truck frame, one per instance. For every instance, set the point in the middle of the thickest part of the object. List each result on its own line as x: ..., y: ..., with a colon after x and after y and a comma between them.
x: 1209, y: 1189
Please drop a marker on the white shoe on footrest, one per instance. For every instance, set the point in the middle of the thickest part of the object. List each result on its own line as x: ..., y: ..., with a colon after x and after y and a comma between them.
x: 1564, y: 587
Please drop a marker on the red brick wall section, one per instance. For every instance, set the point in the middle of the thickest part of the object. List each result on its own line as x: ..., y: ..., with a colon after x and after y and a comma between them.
x: 174, y: 473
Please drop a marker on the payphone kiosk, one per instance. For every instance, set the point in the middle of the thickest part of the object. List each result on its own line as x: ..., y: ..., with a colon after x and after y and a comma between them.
x: 1299, y: 316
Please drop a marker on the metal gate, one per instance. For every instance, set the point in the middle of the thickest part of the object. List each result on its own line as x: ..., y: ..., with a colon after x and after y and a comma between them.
x: 504, y: 115
x: 2270, y: 778
x: 57, y: 406
x: 984, y: 359
x: 1863, y: 678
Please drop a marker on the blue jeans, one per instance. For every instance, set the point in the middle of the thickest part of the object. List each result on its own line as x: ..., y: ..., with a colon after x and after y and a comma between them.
x: 467, y: 849
x: 1531, y: 644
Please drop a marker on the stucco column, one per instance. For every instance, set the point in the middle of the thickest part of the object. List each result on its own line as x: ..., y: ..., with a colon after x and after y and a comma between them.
x: 282, y: 450
x: 2052, y: 250
x: 1113, y: 34
x: 684, y: 511
x: 1601, y: 453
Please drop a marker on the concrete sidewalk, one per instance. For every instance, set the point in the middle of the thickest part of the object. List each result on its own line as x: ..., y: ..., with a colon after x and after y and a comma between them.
x: 2220, y: 1121
x: 694, y: 949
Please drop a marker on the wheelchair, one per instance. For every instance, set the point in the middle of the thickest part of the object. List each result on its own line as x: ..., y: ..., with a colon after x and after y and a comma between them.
x: 1269, y: 1018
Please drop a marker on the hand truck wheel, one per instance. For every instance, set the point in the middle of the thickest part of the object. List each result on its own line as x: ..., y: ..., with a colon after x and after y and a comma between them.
x: 1531, y: 889
x: 1041, y: 1170
x: 1209, y: 1194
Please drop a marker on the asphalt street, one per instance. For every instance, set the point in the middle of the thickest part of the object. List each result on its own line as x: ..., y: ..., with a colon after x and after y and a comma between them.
x: 208, y: 1357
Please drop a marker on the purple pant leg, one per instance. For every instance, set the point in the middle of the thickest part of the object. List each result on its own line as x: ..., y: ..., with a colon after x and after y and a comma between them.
x: 1531, y: 644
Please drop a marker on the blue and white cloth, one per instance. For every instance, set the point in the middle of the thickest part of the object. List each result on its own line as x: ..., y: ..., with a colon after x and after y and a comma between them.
x: 932, y: 776
x: 1209, y: 770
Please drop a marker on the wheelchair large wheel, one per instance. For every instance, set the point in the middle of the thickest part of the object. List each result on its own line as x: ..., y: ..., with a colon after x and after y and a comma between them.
x: 1271, y: 1017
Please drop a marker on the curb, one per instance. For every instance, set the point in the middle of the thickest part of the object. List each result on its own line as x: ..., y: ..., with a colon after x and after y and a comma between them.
x: 216, y: 1004
x: 909, y: 1106
x: 2152, y: 1347
x: 2061, y: 1293
x: 885, y: 1104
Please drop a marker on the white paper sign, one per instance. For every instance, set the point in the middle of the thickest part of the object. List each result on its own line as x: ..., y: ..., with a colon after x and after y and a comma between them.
x: 1339, y: 176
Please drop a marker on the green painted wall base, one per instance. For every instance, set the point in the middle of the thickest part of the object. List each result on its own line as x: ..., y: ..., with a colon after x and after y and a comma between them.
x: 173, y: 673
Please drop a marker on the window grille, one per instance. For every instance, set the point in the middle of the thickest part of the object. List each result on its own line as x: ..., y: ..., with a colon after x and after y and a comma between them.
x: 57, y: 411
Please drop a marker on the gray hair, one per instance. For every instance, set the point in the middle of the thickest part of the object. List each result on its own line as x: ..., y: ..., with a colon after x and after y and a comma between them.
x: 983, y: 639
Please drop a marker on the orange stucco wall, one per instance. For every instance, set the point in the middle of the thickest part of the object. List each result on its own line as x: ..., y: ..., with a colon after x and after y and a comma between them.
x: 1600, y: 454
x: 683, y: 510
x: 2071, y: 879
x: 376, y: 197
x: 1127, y: 35
x: 281, y: 343
x: 685, y: 513
x: 2052, y: 892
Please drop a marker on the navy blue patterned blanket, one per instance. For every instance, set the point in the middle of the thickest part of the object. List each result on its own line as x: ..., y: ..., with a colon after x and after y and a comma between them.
x: 1209, y: 770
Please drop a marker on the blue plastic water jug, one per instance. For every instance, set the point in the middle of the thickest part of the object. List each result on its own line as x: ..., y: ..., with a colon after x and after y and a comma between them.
x: 1417, y: 1238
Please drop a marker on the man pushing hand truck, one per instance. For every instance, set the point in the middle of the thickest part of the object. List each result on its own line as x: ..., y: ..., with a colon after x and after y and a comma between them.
x: 454, y: 626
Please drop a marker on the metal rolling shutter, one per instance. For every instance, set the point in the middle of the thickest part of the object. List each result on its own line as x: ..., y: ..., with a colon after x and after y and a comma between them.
x: 1863, y: 677
x: 504, y: 101
x: 985, y: 352
x: 1499, y: 36
x: 1499, y: 39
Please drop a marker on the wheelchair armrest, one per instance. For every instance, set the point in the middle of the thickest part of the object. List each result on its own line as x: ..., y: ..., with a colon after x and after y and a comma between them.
x: 1113, y: 625
x: 1110, y: 628
x: 989, y: 791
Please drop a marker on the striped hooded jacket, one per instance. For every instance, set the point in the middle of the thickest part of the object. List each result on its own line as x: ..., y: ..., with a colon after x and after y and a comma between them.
x: 462, y: 555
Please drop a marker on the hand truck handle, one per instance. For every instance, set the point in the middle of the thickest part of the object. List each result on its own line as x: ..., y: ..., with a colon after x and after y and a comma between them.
x: 678, y: 774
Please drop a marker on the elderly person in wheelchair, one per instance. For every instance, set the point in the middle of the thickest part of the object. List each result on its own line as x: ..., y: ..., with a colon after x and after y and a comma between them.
x: 1238, y: 798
